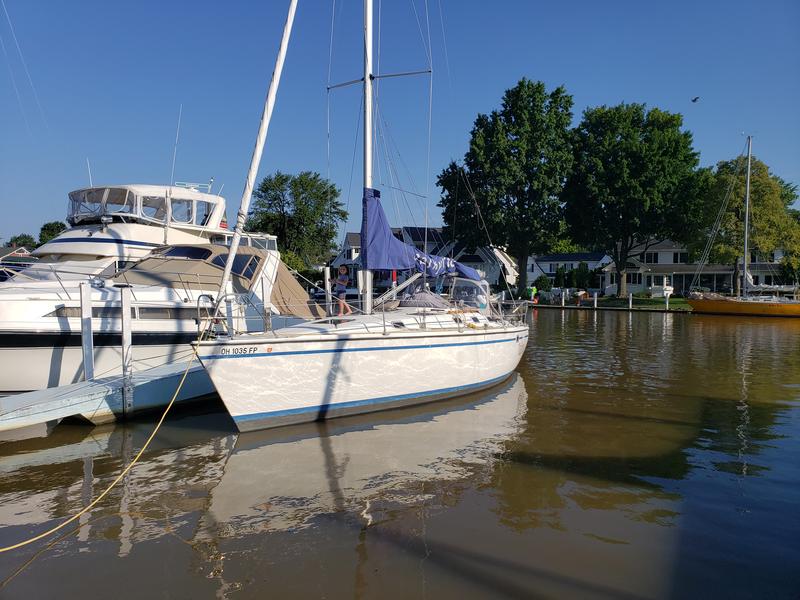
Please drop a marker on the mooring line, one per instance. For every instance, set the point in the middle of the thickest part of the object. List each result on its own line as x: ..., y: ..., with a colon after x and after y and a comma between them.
x: 119, y: 477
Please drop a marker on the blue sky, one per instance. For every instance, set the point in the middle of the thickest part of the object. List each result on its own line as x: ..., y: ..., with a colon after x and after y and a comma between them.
x: 110, y: 77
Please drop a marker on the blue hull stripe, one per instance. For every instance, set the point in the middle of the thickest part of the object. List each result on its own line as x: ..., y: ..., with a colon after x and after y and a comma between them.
x: 340, y: 350
x: 92, y: 240
x: 370, y: 401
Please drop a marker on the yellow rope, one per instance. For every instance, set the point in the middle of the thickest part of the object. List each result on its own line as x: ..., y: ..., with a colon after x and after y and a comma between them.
x: 94, y: 502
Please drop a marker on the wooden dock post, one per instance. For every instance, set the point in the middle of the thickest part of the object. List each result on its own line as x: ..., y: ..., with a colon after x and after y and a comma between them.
x: 594, y: 300
x: 630, y: 300
x: 666, y: 301
x: 127, y: 351
x: 562, y: 297
x: 87, y: 341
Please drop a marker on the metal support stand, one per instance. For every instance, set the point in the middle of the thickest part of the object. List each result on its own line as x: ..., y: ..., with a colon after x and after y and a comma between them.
x: 328, y: 297
x: 87, y: 341
x: 127, y: 351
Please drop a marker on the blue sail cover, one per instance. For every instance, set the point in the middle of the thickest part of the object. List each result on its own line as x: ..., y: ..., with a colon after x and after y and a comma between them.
x: 381, y: 251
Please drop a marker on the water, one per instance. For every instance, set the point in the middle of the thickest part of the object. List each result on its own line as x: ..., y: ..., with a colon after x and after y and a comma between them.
x: 633, y: 455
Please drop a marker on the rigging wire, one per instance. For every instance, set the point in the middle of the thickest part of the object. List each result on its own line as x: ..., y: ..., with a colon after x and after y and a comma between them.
x: 24, y: 64
x: 717, y: 224
x: 16, y: 89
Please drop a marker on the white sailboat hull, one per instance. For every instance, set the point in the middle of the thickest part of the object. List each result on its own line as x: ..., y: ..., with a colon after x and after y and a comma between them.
x: 268, y: 382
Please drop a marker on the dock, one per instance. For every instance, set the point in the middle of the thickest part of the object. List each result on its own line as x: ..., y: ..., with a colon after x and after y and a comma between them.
x: 100, y: 400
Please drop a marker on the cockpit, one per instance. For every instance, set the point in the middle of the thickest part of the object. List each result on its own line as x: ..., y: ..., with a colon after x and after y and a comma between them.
x: 152, y: 204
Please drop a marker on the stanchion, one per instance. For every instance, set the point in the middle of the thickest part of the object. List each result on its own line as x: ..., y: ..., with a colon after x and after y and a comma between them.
x: 87, y: 341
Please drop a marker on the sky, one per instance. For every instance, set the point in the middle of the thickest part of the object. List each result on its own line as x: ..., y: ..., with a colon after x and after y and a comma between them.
x: 104, y: 81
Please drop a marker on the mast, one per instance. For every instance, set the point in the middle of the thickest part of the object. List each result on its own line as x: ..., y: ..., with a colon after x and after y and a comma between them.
x: 366, y: 297
x: 266, y: 115
x: 747, y: 215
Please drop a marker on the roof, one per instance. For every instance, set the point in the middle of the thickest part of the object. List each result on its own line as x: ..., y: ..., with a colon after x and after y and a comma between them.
x: 141, y: 189
x: 572, y: 257
x: 8, y: 251
x: 662, y: 245
x: 418, y: 234
x: 353, y: 239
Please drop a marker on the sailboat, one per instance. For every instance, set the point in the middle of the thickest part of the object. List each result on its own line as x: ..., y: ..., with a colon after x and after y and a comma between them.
x: 406, y: 347
x: 746, y: 304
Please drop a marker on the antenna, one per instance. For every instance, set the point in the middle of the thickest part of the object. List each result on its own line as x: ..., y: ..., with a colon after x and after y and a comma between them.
x: 89, y: 168
x: 175, y: 148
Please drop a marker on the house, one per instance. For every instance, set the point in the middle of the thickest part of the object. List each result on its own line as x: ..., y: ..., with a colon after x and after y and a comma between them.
x: 548, y: 264
x: 666, y: 264
x: 491, y: 262
x: 14, y: 259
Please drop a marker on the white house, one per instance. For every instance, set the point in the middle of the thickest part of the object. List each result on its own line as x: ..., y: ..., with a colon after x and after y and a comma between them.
x: 666, y: 263
x: 548, y: 264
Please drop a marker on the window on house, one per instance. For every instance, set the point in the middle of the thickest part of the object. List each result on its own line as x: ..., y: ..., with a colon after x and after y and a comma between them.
x: 768, y: 279
x: 755, y: 279
x: 551, y: 268
x: 680, y: 257
x: 634, y: 278
x: 649, y: 258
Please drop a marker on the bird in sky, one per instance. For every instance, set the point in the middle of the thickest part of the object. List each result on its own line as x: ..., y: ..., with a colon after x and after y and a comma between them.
x: 696, y: 98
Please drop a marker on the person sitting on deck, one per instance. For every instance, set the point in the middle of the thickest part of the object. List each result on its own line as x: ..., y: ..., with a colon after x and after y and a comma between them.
x: 341, y: 291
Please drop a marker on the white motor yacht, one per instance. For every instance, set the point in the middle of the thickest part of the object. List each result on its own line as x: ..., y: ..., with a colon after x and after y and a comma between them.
x: 40, y: 321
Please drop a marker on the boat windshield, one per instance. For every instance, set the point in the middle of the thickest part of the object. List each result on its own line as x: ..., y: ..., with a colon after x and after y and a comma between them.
x: 93, y: 203
x: 96, y: 202
x: 470, y: 293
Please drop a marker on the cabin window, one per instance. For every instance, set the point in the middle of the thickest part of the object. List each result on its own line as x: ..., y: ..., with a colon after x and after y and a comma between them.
x: 154, y: 207
x: 190, y: 252
x: 87, y: 202
x: 98, y: 312
x: 252, y: 267
x: 120, y: 201
x: 167, y: 312
x: 240, y: 263
x: 202, y: 212
x: 181, y: 211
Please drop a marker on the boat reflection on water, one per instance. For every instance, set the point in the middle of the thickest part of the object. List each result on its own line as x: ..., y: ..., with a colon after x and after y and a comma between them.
x: 278, y: 480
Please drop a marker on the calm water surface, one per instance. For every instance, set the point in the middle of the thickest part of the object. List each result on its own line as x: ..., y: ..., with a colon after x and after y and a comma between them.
x: 643, y: 455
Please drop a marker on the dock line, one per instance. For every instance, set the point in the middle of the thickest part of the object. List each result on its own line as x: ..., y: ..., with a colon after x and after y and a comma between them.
x: 124, y: 472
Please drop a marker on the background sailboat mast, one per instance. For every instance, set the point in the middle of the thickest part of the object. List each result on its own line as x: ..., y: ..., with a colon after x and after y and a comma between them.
x: 747, y: 216
x: 269, y: 104
x: 366, y: 297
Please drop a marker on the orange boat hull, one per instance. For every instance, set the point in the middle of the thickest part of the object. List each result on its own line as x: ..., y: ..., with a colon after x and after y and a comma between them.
x: 733, y: 306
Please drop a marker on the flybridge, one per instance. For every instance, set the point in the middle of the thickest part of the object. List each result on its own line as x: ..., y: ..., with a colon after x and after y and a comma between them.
x: 179, y: 206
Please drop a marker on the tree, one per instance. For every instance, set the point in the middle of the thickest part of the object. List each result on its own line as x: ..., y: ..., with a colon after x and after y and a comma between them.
x: 635, y: 182
x: 543, y: 283
x: 772, y: 225
x: 303, y: 211
x: 560, y: 279
x: 22, y: 240
x: 583, y: 276
x: 508, y: 186
x: 50, y: 230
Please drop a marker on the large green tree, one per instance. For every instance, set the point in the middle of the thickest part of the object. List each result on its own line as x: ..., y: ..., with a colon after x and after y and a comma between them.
x: 22, y: 240
x: 302, y: 210
x: 635, y: 182
x: 507, y: 189
x: 772, y: 224
x: 50, y: 230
